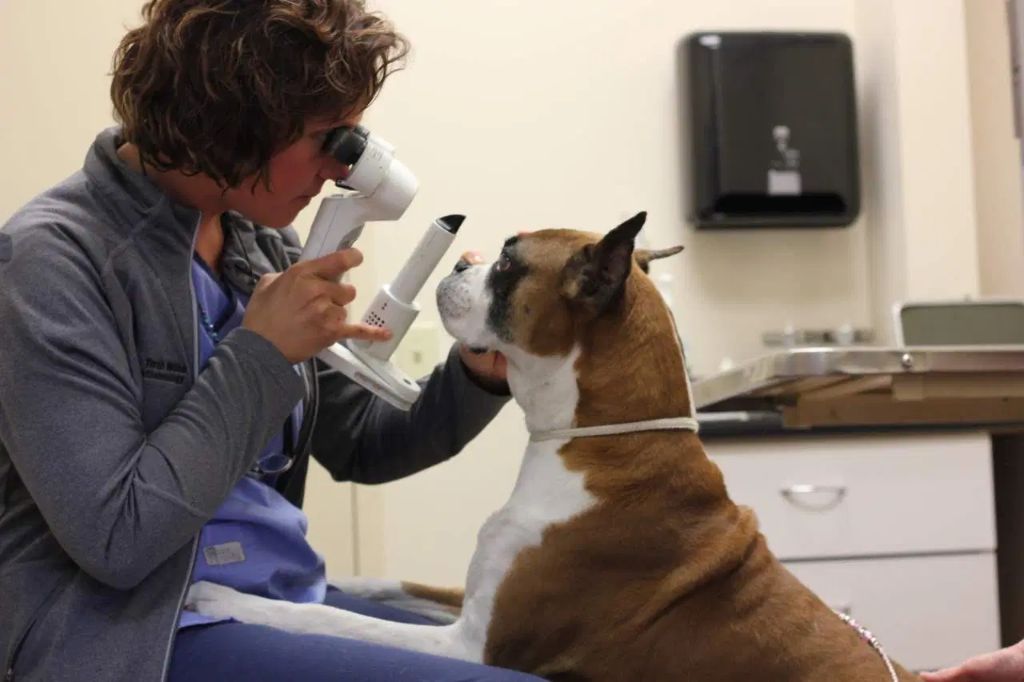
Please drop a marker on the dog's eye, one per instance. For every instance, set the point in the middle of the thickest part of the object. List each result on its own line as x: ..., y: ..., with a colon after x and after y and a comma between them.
x: 503, y: 264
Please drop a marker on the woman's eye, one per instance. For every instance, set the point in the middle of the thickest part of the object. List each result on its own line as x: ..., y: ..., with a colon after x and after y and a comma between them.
x: 503, y: 263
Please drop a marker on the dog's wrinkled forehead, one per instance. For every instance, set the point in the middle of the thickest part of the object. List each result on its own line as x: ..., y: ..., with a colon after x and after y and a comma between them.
x: 550, y: 250
x: 525, y: 282
x: 532, y: 263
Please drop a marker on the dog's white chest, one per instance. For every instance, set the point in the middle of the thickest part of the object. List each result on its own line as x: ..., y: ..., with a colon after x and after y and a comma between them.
x: 546, y: 493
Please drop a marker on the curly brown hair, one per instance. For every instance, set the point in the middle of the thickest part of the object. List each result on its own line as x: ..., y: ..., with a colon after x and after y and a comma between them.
x: 218, y: 86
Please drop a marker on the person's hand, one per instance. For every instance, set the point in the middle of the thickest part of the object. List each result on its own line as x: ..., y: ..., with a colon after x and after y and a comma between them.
x: 1005, y: 665
x: 302, y: 310
x: 488, y: 369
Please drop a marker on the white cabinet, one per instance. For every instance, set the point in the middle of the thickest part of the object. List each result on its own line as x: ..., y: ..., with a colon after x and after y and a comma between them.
x: 927, y: 612
x: 899, y: 530
x: 865, y: 495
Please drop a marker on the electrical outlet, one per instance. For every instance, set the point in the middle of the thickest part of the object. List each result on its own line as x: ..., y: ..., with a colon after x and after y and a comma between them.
x: 419, y: 351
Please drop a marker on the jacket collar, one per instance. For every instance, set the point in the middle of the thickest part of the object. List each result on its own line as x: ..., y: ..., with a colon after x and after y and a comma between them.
x: 134, y: 195
x: 144, y: 205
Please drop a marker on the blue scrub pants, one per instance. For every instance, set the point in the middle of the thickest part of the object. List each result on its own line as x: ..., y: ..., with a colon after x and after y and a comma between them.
x: 256, y: 653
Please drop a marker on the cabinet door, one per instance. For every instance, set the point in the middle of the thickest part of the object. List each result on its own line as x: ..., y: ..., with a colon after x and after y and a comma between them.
x: 927, y: 612
x: 845, y: 496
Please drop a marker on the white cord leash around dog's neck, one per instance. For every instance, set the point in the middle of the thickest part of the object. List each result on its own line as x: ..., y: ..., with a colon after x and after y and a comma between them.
x: 667, y: 424
x: 872, y: 641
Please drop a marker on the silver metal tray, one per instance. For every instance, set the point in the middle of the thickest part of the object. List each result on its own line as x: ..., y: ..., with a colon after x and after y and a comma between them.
x: 874, y: 385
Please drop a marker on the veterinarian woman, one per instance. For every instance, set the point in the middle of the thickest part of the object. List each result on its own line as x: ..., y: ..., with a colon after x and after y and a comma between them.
x: 155, y: 377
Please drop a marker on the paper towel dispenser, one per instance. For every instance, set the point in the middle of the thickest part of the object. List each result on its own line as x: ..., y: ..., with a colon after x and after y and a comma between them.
x: 773, y: 129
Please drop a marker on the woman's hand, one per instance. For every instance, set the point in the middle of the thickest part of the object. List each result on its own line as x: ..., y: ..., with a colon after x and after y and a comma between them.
x: 488, y: 369
x: 1005, y: 665
x: 302, y: 310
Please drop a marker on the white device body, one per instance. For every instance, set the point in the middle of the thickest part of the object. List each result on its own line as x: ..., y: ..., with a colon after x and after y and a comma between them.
x: 382, y: 188
x: 394, y: 306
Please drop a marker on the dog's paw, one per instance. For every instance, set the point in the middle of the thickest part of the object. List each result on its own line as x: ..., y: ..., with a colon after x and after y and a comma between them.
x: 218, y: 601
x: 393, y: 593
x: 208, y: 599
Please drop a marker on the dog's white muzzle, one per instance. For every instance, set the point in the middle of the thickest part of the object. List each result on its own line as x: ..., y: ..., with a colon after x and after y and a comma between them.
x: 463, y: 301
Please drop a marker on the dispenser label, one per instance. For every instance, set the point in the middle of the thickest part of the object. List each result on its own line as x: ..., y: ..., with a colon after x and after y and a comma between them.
x: 783, y: 182
x: 784, y: 175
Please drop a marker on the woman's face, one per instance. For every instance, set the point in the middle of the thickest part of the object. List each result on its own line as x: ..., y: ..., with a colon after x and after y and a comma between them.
x: 296, y: 175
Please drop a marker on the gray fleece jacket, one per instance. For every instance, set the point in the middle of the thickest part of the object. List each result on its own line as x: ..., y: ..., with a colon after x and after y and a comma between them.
x: 114, y: 451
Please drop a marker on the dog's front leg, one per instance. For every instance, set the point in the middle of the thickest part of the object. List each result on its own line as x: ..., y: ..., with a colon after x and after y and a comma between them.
x: 224, y: 602
x: 442, y: 605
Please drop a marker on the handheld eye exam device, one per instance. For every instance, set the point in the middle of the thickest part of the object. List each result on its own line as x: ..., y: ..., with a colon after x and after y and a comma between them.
x: 379, y: 187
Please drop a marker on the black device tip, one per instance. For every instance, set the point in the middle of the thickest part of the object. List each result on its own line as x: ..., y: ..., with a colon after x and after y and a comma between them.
x: 452, y: 223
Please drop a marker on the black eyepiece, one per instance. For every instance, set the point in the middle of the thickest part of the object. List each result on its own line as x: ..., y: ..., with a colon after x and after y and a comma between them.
x: 347, y: 143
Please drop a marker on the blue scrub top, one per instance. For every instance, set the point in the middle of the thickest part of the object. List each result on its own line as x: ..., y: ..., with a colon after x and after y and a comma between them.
x: 256, y: 542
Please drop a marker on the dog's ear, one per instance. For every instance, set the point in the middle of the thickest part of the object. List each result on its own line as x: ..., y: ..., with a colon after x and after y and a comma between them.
x: 645, y: 256
x: 595, y: 274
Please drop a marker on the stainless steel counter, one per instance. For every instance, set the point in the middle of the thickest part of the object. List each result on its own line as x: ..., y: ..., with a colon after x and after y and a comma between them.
x: 868, y: 386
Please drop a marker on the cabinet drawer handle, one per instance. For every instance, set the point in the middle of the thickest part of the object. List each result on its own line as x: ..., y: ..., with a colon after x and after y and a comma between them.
x: 797, y: 495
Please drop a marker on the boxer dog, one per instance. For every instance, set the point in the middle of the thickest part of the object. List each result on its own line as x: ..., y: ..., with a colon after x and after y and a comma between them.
x: 619, y: 556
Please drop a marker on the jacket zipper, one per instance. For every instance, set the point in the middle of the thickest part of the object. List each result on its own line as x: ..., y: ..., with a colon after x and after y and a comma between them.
x: 43, y: 608
x: 181, y: 604
x: 9, y: 674
x: 309, y: 378
x: 195, y: 539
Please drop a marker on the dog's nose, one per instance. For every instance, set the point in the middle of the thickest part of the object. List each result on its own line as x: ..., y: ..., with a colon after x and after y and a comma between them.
x: 462, y: 264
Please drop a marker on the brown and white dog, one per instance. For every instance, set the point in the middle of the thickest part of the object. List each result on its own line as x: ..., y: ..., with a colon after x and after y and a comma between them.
x: 619, y: 555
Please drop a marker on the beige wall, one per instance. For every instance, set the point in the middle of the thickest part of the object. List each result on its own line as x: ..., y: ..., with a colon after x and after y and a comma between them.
x: 565, y: 114
x: 54, y: 65
x: 917, y: 153
x: 572, y: 87
x: 997, y: 159
x: 534, y: 113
